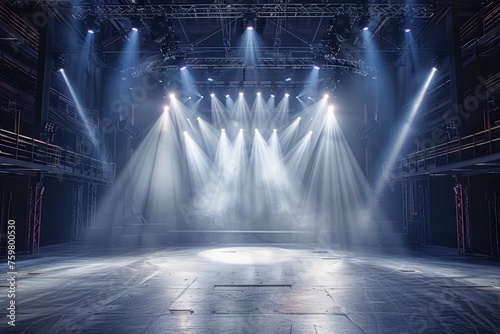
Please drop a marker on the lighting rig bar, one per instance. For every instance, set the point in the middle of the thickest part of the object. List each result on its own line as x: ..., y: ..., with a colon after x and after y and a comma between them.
x: 158, y: 65
x: 270, y: 10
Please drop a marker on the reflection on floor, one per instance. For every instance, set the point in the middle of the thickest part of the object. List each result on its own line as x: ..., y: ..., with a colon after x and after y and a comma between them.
x: 261, y: 288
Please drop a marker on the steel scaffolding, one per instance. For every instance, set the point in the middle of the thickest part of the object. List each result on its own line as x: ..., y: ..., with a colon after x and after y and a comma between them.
x: 77, y: 217
x: 493, y: 223
x: 34, y: 217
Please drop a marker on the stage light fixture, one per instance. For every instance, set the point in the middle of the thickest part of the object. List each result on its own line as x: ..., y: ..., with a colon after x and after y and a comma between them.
x: 241, y: 130
x: 223, y: 130
x: 250, y: 19
x: 240, y: 94
x: 210, y: 79
x: 227, y: 95
x: 172, y: 96
x: 165, y: 108
x: 330, y: 108
x: 212, y: 95
x: 288, y: 79
x: 299, y: 118
x: 185, y: 132
x: 198, y: 118
x: 259, y: 94
x: 256, y: 130
x: 201, y: 97
x: 310, y: 132
x: 325, y: 96
x: 272, y: 95
x: 297, y: 97
x: 49, y: 127
x: 363, y: 23
x: 274, y: 130
x: 287, y: 95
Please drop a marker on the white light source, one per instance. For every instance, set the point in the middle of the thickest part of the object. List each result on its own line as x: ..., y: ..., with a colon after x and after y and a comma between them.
x: 330, y: 108
x: 297, y: 97
x: 434, y: 69
x: 188, y: 120
x: 241, y: 130
x: 287, y: 95
x: 309, y: 97
x: 258, y: 93
x: 223, y: 130
x: 202, y: 96
x: 212, y: 94
x: 135, y: 29
x: 165, y: 108
x: 274, y: 130
x: 310, y: 131
x: 182, y: 68
x: 172, y: 96
x: 61, y: 70
x: 90, y: 31
x: 407, y: 30
x: 316, y: 67
x: 325, y: 96
x: 189, y: 98
x: 288, y: 79
x: 365, y: 28
x: 240, y: 94
x: 299, y: 118
x: 227, y: 95
x: 256, y: 130
x: 198, y: 118
x: 272, y: 95
x: 185, y: 132
x: 210, y: 79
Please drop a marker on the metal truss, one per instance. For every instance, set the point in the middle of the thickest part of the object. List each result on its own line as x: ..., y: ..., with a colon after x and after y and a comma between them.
x: 34, y: 218
x: 157, y: 64
x: 463, y: 219
x: 493, y: 218
x: 459, y: 211
x: 77, y: 216
x: 263, y: 10
x: 91, y: 204
x: 424, y: 210
x: 407, y: 203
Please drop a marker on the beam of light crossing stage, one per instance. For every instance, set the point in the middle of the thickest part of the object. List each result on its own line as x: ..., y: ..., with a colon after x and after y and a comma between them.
x: 405, y: 129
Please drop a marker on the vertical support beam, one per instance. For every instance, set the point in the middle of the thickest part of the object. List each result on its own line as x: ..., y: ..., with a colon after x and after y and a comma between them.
x: 43, y: 73
x: 91, y: 204
x: 31, y: 210
x: 459, y: 211
x: 467, y: 223
x: 493, y: 223
x: 406, y: 205
x: 77, y: 219
x: 452, y: 22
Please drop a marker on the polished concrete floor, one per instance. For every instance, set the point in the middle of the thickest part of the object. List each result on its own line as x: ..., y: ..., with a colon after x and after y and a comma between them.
x: 258, y: 288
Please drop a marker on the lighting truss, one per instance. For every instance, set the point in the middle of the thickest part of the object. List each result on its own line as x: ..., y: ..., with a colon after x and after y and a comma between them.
x: 158, y: 64
x: 269, y: 10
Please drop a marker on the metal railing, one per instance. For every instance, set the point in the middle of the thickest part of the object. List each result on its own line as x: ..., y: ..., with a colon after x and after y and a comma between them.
x: 472, y: 146
x: 52, y: 158
x: 24, y: 33
x: 481, y: 23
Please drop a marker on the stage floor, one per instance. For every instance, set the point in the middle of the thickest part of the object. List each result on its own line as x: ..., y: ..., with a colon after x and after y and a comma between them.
x: 258, y: 288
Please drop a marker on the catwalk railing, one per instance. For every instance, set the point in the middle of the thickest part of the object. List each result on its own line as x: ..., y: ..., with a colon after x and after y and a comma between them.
x: 480, y: 24
x: 435, y: 159
x: 31, y: 154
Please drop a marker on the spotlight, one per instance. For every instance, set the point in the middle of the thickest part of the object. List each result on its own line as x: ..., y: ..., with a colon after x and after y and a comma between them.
x: 310, y: 132
x: 287, y: 95
x: 299, y: 118
x: 135, y: 29
x: 241, y: 130
x: 330, y: 108
x: 274, y: 130
x: 210, y: 79
x: 308, y: 97
x: 90, y: 31
x: 223, y: 130
x: 258, y: 93
x: 240, y: 94
x: 227, y: 95
x: 256, y: 130
x: 272, y: 95
x: 250, y: 20
x: 198, y: 118
x: 165, y: 108
x: 325, y: 96
x: 311, y: 118
x: 182, y: 68
x: 316, y: 67
x: 188, y: 120
x: 136, y: 23
x: 172, y: 96
x: 434, y: 69
x: 49, y: 127
x: 201, y: 97
x: 407, y: 30
x: 288, y: 79
x: 189, y: 98
x: 363, y: 23
x: 212, y: 95
x: 185, y: 132
x: 297, y: 97
x: 61, y: 69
